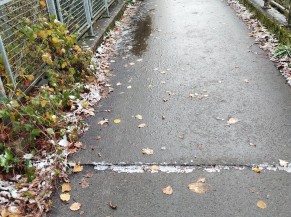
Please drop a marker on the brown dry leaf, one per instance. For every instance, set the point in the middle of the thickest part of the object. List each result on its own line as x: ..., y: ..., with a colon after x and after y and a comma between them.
x: 112, y: 206
x: 105, y: 121
x: 261, y: 204
x: 232, y: 121
x: 77, y: 169
x: 66, y: 187
x: 141, y: 125
x: 168, y: 190
x: 78, y: 144
x: 75, y: 206
x: 154, y: 168
x: 84, y: 183
x: 147, y: 151
x: 199, y: 186
x: 65, y: 197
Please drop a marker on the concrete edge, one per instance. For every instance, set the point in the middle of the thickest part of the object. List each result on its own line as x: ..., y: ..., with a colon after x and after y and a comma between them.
x: 282, y: 32
x: 102, y: 25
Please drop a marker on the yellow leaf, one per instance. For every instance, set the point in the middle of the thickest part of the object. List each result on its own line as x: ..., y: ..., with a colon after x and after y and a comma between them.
x: 257, y: 169
x: 64, y: 64
x: 77, y: 169
x: 75, y: 206
x: 261, y: 204
x: 43, y: 103
x: 199, y: 186
x: 42, y: 34
x: 66, y: 187
x: 55, y: 40
x: 42, y: 3
x: 168, y: 190
x: 30, y: 77
x: 47, y: 58
x: 117, y: 121
x: 49, y: 31
x: 65, y: 197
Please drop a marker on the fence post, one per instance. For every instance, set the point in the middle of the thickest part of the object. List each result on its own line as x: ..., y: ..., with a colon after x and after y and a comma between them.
x: 59, y: 11
x: 51, y: 7
x: 6, y: 61
x: 106, y: 6
x: 88, y: 16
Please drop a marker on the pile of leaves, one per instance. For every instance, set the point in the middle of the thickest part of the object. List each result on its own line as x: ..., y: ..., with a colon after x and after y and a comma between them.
x: 279, y: 54
x: 40, y: 130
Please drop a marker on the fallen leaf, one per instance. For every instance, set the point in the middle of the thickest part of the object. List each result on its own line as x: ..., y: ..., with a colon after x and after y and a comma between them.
x: 139, y: 60
x: 163, y: 82
x: 78, y: 144
x: 117, y: 121
x: 199, y: 186
x: 147, y: 151
x: 141, y: 125
x: 77, y: 169
x: 105, y: 121
x: 89, y: 175
x: 246, y: 81
x: 131, y: 64
x: 261, y: 204
x: 66, y: 187
x: 112, y: 206
x: 163, y: 72
x: 118, y: 84
x: 232, y: 121
x: 65, y: 197
x: 75, y: 206
x: 257, y: 169
x: 154, y: 168
x: 283, y: 163
x: 252, y: 144
x: 139, y: 117
x: 84, y: 183
x: 98, y: 137
x: 168, y: 190
x: 128, y: 87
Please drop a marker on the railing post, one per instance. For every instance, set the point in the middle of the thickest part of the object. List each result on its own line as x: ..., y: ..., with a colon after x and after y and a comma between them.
x: 6, y: 62
x: 266, y: 4
x: 51, y: 7
x: 88, y: 16
x: 107, y: 7
x: 59, y: 11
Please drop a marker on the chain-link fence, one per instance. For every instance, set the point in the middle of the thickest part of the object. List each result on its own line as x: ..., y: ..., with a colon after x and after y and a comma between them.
x: 77, y: 14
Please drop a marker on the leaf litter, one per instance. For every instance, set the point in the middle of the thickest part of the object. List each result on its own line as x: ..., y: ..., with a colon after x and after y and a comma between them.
x: 199, y: 187
x: 168, y: 190
x: 46, y: 164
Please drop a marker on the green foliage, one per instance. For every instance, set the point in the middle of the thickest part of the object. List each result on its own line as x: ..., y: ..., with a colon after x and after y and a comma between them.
x: 38, y: 117
x: 283, y: 50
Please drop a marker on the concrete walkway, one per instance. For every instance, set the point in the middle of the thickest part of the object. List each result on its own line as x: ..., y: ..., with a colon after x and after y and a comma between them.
x: 200, y: 49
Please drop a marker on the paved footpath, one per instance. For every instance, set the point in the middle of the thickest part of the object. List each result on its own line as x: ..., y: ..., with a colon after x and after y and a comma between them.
x: 188, y: 48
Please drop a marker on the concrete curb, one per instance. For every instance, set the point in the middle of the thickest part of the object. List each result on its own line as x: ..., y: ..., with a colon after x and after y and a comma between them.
x: 102, y: 25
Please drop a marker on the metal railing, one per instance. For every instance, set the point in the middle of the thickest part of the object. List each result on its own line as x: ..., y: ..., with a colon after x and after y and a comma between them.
x: 283, y: 6
x: 77, y: 14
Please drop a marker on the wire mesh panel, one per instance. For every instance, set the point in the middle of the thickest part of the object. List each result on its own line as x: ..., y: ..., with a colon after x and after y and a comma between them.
x: 98, y: 7
x: 12, y: 14
x: 74, y: 15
